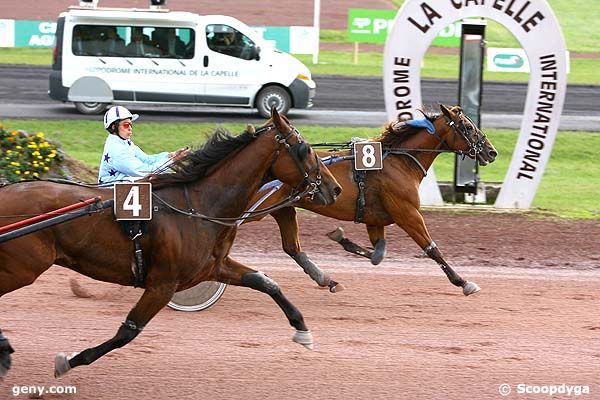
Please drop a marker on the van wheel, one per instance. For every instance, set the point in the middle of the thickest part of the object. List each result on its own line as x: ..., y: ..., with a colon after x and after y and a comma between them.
x: 90, y: 108
x: 273, y: 96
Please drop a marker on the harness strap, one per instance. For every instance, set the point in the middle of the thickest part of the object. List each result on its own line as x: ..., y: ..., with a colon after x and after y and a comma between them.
x: 134, y: 230
x: 359, y: 178
x: 404, y: 153
x: 139, y: 272
x: 188, y: 202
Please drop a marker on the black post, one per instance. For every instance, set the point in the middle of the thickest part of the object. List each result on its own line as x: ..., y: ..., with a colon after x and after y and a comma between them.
x: 472, y: 49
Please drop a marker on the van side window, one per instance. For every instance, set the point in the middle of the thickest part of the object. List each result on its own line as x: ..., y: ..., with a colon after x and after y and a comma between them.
x: 87, y: 40
x: 133, y: 41
x: 174, y: 42
x: 227, y: 40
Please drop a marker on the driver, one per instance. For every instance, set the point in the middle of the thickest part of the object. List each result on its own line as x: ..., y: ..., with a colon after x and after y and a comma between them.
x: 121, y: 158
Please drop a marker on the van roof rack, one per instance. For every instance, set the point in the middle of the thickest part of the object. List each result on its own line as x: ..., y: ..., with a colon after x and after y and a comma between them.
x: 159, y: 10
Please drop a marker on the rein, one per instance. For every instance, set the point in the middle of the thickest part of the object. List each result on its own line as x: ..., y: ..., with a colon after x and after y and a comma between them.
x: 310, y: 187
x: 291, y: 199
x: 475, y: 147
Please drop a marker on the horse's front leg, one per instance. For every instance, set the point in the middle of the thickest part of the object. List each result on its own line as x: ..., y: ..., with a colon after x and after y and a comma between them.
x: 435, y: 254
x: 376, y: 236
x: 235, y: 273
x: 5, y: 351
x: 411, y: 221
x: 290, y: 241
x: 152, y: 301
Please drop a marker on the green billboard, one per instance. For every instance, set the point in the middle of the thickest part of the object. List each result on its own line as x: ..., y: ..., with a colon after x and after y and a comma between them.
x: 373, y: 26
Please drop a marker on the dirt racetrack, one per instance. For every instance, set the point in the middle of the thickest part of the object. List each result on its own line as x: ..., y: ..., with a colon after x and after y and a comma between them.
x: 398, y: 331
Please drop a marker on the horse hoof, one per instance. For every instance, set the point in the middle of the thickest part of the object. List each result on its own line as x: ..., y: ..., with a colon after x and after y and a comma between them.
x: 304, y: 338
x: 336, y: 235
x: 379, y: 252
x: 5, y: 360
x: 335, y: 287
x: 5, y: 363
x: 470, y: 288
x: 61, y: 365
x: 377, y: 257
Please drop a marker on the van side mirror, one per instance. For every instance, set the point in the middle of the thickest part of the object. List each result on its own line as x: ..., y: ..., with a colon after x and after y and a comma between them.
x: 256, y: 53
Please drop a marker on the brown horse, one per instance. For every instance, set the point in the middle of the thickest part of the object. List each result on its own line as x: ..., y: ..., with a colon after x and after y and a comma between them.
x: 182, y: 247
x: 391, y: 194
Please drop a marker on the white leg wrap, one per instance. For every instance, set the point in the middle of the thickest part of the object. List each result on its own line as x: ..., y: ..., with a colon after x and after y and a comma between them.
x: 429, y: 248
x: 304, y: 338
x: 61, y: 364
x: 470, y: 288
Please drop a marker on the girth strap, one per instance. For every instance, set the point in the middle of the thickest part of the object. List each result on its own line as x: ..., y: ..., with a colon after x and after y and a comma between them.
x: 139, y: 272
x: 134, y: 231
x: 359, y: 178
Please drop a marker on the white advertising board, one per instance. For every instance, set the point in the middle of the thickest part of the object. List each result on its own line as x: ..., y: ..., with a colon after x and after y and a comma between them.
x: 7, y: 33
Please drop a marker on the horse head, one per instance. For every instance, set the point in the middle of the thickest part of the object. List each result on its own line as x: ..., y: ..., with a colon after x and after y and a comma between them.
x: 299, y: 163
x: 461, y: 134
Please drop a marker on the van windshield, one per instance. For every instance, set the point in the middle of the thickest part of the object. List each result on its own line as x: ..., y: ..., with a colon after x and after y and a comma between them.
x: 227, y: 40
x: 133, y: 41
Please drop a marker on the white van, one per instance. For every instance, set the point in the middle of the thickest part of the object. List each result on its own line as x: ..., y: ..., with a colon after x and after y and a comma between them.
x: 105, y: 56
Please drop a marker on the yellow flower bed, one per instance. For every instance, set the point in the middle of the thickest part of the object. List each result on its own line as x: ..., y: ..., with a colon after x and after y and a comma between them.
x: 26, y: 156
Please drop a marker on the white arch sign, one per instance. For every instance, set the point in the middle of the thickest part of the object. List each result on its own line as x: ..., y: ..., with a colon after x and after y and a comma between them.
x: 535, y: 26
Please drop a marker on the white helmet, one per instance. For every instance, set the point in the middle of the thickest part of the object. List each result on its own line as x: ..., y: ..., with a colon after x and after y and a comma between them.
x: 117, y: 113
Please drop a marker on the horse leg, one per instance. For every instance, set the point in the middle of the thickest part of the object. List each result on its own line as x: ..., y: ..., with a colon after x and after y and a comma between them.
x: 290, y: 240
x: 152, y: 301
x: 411, y: 221
x: 337, y: 235
x: 377, y: 237
x: 235, y: 273
x: 435, y: 254
x: 5, y: 351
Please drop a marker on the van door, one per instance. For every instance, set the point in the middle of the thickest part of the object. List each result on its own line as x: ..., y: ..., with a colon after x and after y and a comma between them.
x: 162, y: 64
x: 234, y: 71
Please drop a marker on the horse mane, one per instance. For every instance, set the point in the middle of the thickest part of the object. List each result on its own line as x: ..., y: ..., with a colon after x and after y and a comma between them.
x: 395, y: 133
x: 199, y: 163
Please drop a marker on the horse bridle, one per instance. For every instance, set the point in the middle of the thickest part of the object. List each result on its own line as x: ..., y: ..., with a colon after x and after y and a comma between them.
x: 294, y: 150
x: 461, y: 129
